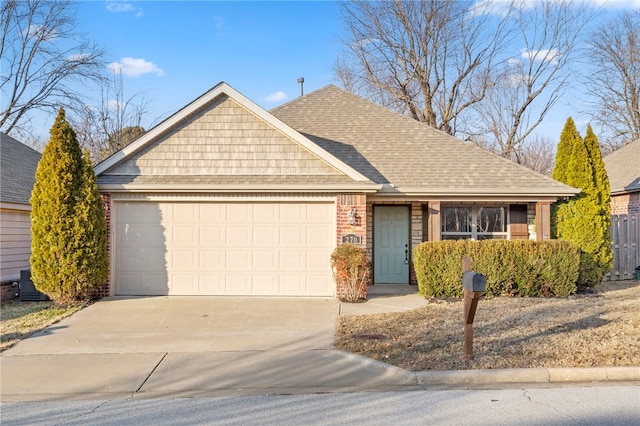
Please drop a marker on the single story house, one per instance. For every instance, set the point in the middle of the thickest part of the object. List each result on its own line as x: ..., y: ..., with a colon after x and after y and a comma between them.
x: 225, y: 198
x: 623, y: 169
x: 18, y: 164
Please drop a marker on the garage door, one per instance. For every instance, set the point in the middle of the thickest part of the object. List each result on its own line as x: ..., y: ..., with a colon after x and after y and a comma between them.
x: 175, y: 248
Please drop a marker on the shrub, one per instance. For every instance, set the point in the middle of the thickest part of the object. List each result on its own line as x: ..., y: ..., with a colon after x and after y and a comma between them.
x: 513, y: 268
x: 68, y: 234
x: 584, y: 219
x: 351, y: 272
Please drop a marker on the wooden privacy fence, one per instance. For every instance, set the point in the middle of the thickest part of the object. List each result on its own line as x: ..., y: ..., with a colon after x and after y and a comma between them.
x: 625, y: 235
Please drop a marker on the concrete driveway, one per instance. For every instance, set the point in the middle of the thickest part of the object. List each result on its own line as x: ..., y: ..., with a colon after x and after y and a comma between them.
x: 191, y: 346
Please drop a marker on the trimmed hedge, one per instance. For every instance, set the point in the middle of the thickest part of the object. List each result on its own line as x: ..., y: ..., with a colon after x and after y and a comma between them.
x: 514, y: 268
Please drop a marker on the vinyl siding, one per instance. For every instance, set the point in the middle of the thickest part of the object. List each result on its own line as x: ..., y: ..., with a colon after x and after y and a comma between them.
x: 15, y: 243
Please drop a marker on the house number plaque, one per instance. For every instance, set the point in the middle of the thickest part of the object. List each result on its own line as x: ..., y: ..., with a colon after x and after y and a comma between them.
x: 351, y: 239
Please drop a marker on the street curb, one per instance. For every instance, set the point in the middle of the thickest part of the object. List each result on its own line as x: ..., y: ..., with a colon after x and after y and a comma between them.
x: 387, y: 372
x: 528, y: 375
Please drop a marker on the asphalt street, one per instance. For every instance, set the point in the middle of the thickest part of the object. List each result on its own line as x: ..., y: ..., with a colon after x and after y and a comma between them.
x: 601, y: 405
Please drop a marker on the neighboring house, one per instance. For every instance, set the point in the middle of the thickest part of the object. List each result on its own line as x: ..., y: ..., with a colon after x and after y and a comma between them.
x: 623, y: 169
x: 18, y: 165
x: 225, y: 198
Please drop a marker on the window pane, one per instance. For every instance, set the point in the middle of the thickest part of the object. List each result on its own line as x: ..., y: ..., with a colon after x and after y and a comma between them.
x: 456, y: 219
x: 491, y: 219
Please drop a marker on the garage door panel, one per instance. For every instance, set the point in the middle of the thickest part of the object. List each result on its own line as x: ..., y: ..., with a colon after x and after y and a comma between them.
x: 216, y: 212
x: 211, y: 284
x: 239, y: 213
x: 291, y: 260
x: 184, y: 260
x: 293, y: 213
x: 236, y: 248
x: 315, y: 284
x: 211, y: 235
x: 265, y: 236
x: 292, y: 284
x: 154, y: 259
x: 316, y: 260
x: 320, y: 213
x: 209, y: 260
x: 130, y: 234
x: 264, y: 260
x: 154, y: 235
x: 237, y: 235
x: 183, y: 284
x: 265, y: 284
x: 129, y: 259
x: 238, y: 284
x: 318, y: 236
x: 185, y: 212
x: 292, y: 236
x: 238, y: 259
x: 265, y: 213
x: 184, y: 236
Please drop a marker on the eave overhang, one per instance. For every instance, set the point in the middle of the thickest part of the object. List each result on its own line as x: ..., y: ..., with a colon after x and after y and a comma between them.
x: 356, y: 187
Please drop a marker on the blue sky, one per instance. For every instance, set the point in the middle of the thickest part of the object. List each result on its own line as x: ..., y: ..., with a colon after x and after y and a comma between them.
x: 171, y: 52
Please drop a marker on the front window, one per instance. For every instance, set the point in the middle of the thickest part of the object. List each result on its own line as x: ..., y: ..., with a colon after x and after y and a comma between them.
x: 474, y: 222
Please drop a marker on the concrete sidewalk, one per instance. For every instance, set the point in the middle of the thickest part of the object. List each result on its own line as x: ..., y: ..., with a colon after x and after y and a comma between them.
x: 208, y: 346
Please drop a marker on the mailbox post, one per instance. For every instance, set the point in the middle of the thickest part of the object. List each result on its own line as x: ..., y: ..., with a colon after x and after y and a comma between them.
x: 474, y: 285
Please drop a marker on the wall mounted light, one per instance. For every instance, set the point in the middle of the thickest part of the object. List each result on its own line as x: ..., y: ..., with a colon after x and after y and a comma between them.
x: 351, y: 216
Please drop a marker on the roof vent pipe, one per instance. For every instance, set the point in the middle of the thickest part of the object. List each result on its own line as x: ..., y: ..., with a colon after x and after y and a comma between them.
x: 301, y: 81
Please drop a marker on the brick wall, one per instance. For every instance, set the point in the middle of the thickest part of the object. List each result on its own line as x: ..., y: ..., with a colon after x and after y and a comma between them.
x: 344, y: 204
x: 105, y: 290
x: 625, y: 203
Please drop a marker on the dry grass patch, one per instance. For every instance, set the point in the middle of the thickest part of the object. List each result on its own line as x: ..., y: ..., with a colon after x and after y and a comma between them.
x: 19, y: 320
x: 587, y: 330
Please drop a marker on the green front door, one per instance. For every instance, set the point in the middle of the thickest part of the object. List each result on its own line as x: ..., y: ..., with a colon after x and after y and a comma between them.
x: 391, y: 244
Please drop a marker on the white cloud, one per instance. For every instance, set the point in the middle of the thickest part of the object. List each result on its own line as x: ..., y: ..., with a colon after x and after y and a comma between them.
x: 548, y: 55
x: 502, y: 7
x: 276, y: 97
x: 115, y: 105
x: 41, y: 32
x: 134, y: 67
x: 123, y: 7
x: 78, y: 57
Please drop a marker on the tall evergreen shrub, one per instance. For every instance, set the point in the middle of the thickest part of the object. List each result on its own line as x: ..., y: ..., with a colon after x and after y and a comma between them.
x: 585, y: 218
x: 68, y: 231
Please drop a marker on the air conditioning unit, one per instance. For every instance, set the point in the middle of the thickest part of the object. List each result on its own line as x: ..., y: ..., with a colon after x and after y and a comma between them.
x: 28, y: 291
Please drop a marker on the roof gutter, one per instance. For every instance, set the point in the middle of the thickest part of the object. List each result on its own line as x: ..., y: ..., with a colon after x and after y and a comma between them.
x: 348, y: 188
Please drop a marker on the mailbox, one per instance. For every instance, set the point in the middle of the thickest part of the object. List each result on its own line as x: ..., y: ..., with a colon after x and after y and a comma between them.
x: 474, y: 281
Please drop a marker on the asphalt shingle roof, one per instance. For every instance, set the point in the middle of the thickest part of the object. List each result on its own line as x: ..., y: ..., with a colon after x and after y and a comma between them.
x: 390, y: 148
x: 623, y: 168
x: 18, y: 165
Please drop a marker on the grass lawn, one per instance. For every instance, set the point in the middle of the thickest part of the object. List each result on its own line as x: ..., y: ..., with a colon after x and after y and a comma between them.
x: 585, y: 330
x: 19, y: 320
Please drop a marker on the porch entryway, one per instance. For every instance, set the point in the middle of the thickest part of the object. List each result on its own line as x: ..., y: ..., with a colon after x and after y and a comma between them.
x: 391, y: 252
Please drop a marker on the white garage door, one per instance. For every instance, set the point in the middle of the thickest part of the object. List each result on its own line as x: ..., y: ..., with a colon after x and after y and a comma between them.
x: 175, y: 248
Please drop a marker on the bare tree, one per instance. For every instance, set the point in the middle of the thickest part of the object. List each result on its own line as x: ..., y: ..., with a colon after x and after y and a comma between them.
x: 538, y: 154
x: 428, y: 59
x: 114, y: 123
x: 614, y: 84
x: 525, y: 89
x: 43, y: 57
